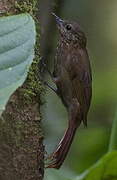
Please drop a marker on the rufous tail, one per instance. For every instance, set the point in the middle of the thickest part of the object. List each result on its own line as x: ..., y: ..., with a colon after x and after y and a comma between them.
x: 58, y: 156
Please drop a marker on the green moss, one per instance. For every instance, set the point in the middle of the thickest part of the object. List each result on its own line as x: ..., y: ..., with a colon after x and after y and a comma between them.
x: 33, y: 86
x: 26, y: 6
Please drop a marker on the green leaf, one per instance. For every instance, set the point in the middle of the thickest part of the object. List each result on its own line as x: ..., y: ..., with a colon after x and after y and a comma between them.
x: 17, y: 40
x: 105, y: 169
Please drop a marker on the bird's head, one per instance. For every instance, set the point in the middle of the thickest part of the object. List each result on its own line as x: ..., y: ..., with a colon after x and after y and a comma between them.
x: 71, y: 32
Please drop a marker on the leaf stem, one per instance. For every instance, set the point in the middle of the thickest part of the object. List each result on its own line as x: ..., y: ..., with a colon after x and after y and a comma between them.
x: 113, y: 137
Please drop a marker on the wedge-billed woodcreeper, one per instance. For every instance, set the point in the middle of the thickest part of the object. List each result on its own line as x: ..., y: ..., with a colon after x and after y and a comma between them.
x: 73, y: 79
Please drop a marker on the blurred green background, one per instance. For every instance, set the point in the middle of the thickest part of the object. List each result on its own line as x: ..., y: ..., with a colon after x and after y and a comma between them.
x: 99, y: 21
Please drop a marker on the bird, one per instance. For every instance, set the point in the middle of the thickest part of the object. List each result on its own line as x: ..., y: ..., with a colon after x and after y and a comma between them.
x: 73, y: 78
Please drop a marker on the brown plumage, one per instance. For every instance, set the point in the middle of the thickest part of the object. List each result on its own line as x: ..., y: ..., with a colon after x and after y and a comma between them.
x: 72, y: 75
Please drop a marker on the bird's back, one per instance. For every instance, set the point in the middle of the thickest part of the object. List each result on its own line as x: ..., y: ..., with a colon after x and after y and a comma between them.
x: 73, y: 66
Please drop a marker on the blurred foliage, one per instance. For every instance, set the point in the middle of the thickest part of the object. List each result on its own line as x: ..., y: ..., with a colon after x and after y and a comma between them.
x: 98, y: 19
x: 105, y: 169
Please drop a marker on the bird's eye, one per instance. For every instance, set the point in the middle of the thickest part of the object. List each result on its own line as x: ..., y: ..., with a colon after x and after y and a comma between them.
x: 68, y: 27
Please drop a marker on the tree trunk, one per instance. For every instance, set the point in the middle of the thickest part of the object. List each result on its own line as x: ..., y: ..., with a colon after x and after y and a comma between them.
x: 21, y: 138
x: 48, y: 28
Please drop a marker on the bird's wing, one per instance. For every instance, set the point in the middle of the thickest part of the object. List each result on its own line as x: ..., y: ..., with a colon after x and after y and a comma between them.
x: 80, y: 75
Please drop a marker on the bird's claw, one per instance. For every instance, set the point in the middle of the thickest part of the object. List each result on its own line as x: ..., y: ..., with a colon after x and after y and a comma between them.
x: 42, y: 65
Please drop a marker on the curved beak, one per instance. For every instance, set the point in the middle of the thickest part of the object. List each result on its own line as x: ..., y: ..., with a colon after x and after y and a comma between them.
x: 59, y: 21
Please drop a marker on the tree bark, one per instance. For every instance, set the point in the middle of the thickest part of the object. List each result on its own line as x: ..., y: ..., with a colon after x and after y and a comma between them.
x: 21, y: 138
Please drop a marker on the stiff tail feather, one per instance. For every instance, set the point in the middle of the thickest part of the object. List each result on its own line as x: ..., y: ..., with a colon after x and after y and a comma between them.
x: 58, y: 157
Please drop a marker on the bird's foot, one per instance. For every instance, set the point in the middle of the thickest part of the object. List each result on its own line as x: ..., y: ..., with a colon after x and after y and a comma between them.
x: 43, y: 67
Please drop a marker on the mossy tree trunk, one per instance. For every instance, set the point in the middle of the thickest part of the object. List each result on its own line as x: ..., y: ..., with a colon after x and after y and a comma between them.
x: 21, y: 139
